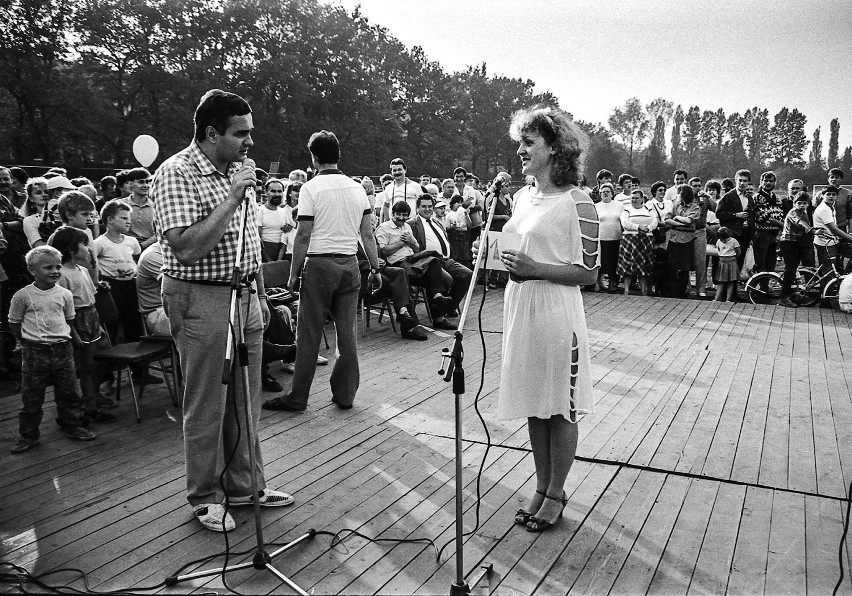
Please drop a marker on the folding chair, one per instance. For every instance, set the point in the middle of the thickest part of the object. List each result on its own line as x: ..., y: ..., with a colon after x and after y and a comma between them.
x: 417, y: 295
x: 365, y: 301
x: 133, y: 354
x: 173, y: 355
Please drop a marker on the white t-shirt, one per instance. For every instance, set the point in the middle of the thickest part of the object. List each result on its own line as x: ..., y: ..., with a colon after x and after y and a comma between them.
x: 407, y: 192
x: 43, y: 314
x: 387, y: 233
x: 336, y: 204
x: 271, y: 222
x: 609, y: 219
x: 80, y: 284
x: 115, y: 260
x: 823, y: 214
x: 844, y: 295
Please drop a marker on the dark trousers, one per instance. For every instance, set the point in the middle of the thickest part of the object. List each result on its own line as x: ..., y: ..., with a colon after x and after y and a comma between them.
x: 765, y: 249
x: 744, y: 238
x: 43, y: 365
x: 126, y: 301
x: 461, y: 279
x: 395, y: 285
x: 794, y: 253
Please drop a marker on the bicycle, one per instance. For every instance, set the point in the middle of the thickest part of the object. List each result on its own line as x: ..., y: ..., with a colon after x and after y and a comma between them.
x: 809, y: 288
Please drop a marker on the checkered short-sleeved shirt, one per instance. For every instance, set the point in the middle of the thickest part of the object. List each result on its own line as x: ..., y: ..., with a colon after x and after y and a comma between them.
x: 185, y: 189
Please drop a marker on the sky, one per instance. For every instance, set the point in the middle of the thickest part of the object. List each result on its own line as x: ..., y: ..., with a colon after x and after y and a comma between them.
x: 595, y: 54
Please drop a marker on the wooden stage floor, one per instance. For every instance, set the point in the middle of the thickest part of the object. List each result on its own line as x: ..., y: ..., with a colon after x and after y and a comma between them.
x: 717, y: 462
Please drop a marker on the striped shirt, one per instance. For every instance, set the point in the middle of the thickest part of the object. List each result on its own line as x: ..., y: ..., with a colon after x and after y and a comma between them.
x: 186, y: 189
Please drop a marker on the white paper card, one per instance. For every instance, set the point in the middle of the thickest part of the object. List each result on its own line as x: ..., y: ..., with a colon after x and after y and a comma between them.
x: 497, y: 242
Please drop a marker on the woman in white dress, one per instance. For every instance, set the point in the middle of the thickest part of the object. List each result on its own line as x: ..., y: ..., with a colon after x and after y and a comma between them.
x: 546, y: 372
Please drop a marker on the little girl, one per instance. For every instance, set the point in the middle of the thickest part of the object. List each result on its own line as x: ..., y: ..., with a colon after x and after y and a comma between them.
x: 73, y: 244
x: 728, y: 274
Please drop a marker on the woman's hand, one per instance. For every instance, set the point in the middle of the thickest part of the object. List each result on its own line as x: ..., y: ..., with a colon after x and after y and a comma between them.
x: 519, y: 263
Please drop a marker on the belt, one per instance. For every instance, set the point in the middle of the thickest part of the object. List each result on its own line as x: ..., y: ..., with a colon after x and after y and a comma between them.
x: 522, y: 278
x: 328, y: 255
x: 245, y: 281
x: 43, y: 346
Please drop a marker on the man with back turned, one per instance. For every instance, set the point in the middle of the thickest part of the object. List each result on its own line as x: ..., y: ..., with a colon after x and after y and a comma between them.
x: 334, y: 215
x: 197, y: 194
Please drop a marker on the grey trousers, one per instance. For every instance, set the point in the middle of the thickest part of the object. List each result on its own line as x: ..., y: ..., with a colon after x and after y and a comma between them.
x: 198, y: 316
x: 329, y: 287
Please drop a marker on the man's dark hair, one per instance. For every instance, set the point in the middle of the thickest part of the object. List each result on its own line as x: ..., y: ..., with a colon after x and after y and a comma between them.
x: 768, y: 174
x: 625, y: 178
x: 80, y: 181
x: 215, y: 108
x: 727, y: 185
x: 680, y: 173
x: 836, y: 172
x: 713, y: 185
x: 385, y: 177
x: 397, y: 161
x: 21, y: 175
x: 603, y: 174
x: 121, y: 178
x: 459, y: 170
x: 743, y: 172
x: 137, y: 174
x: 694, y: 179
x: 106, y: 180
x: 401, y: 207
x: 325, y: 147
x: 636, y: 181
x: 426, y: 197
x: 831, y: 189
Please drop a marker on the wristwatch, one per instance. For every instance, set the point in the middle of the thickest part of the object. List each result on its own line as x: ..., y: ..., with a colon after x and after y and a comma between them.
x: 373, y: 270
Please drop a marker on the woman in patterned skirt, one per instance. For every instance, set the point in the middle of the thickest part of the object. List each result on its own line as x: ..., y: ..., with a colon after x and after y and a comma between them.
x: 635, y: 257
x: 546, y: 371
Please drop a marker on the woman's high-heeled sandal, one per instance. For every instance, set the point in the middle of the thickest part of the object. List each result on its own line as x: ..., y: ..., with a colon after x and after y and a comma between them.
x: 536, y: 524
x: 523, y: 516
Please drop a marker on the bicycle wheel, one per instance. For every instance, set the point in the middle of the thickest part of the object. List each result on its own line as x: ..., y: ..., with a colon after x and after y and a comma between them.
x: 806, y: 290
x: 764, y: 287
x: 829, y: 294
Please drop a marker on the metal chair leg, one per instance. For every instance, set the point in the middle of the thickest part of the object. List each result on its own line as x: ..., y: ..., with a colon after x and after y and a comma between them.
x: 132, y: 391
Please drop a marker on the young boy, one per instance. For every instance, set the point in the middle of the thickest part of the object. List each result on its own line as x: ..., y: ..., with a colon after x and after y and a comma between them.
x: 76, y: 210
x: 116, y: 254
x: 39, y: 318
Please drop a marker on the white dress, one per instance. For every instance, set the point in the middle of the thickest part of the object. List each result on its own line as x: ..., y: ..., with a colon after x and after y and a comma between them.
x: 546, y: 366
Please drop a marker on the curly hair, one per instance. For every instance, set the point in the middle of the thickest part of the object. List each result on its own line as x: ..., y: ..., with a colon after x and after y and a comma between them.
x: 560, y: 134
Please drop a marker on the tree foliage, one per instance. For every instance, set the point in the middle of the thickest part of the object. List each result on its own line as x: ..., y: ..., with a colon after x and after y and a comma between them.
x: 833, y: 143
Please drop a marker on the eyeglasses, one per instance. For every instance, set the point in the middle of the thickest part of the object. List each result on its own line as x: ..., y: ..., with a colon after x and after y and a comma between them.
x: 795, y: 188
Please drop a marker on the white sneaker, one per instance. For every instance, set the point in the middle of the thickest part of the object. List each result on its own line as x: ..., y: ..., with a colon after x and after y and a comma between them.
x: 702, y: 295
x: 211, y: 515
x: 322, y: 361
x: 268, y: 498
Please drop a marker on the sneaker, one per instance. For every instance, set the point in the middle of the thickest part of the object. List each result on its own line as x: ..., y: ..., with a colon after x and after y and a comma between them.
x: 702, y: 295
x: 288, y: 367
x: 23, y: 444
x: 100, y: 416
x: 211, y: 515
x: 78, y: 433
x: 322, y: 361
x: 268, y: 498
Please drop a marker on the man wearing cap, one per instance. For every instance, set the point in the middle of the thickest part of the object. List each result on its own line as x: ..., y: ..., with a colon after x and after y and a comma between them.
x: 198, y: 195
x: 334, y: 216
x: 441, y: 205
x: 142, y: 212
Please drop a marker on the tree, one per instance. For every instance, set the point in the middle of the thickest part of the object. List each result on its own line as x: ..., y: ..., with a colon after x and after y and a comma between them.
x: 655, y: 156
x: 676, y: 148
x: 736, y: 128
x: 757, y: 136
x: 833, y: 143
x: 630, y: 124
x: 603, y: 152
x: 846, y: 162
x: 691, y: 134
x: 787, y: 139
x: 815, y: 163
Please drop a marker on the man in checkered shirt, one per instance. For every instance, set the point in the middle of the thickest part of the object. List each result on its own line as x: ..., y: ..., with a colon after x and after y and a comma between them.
x: 197, y: 194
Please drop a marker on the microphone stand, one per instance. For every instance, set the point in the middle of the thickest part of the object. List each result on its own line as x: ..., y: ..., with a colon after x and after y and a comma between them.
x: 261, y: 559
x: 452, y: 369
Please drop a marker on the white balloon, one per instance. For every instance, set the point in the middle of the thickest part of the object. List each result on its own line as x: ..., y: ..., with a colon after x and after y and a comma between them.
x: 145, y: 150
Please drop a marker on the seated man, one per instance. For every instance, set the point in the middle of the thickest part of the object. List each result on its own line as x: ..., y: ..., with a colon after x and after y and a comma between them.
x: 395, y: 285
x: 432, y: 240
x: 278, y: 339
x: 399, y: 247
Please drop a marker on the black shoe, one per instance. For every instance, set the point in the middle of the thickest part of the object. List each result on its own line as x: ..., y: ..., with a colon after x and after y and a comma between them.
x: 413, y: 333
x: 443, y: 323
x: 279, y: 352
x: 277, y: 404
x: 24, y: 444
x: 342, y: 406
x: 406, y: 322
x: 440, y: 305
x: 270, y: 384
x: 99, y: 416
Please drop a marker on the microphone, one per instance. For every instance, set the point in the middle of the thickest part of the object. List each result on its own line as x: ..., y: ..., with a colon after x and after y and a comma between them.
x: 251, y: 193
x: 501, y: 179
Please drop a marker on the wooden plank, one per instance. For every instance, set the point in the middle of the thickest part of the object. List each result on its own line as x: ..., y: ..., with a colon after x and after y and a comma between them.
x: 750, y: 445
x: 801, y: 465
x: 841, y: 407
x: 823, y: 528
x: 776, y: 436
x: 717, y: 549
x: 785, y: 567
x: 826, y: 446
x: 748, y: 569
x: 674, y: 571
